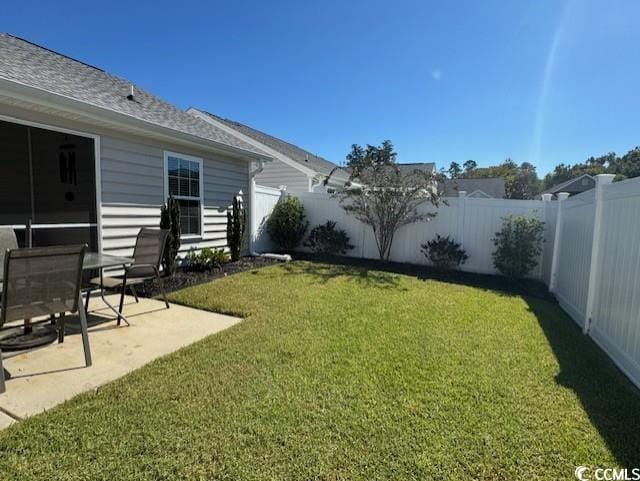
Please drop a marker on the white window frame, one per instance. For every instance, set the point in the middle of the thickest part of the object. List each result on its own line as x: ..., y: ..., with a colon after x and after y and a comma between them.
x: 200, y: 163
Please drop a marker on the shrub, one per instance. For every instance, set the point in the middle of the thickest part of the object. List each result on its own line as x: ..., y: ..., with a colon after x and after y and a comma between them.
x: 444, y: 253
x: 518, y: 245
x: 207, y: 259
x: 326, y: 239
x: 170, y: 219
x: 286, y: 225
x: 235, y: 228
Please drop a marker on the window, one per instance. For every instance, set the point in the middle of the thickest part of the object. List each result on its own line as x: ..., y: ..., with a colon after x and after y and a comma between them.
x: 184, y: 183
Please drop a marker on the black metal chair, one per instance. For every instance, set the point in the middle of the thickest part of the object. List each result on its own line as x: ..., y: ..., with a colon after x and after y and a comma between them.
x: 147, y: 256
x: 44, y: 281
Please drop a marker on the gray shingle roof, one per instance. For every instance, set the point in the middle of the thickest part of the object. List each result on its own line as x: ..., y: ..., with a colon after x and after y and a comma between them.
x: 573, y: 186
x: 491, y: 186
x: 29, y: 64
x: 421, y: 166
x: 299, y: 155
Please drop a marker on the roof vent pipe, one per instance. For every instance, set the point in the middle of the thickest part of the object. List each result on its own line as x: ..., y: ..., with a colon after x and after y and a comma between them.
x: 130, y: 96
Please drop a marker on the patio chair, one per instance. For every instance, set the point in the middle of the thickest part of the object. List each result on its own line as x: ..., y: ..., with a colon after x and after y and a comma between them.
x: 147, y: 256
x: 44, y: 281
x: 7, y: 241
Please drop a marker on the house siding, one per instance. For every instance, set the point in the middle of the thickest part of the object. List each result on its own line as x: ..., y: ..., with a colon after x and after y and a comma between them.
x: 133, y: 191
x: 132, y: 183
x: 277, y: 173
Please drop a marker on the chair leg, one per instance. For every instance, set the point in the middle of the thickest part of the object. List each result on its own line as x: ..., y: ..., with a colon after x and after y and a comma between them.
x: 86, y: 301
x: 164, y: 294
x: 3, y: 387
x: 124, y: 288
x: 85, y: 333
x: 61, y: 320
x: 135, y: 294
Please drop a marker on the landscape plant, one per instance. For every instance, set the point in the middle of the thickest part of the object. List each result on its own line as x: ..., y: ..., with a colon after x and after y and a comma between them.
x: 444, y: 252
x: 328, y: 239
x: 286, y: 225
x: 170, y: 220
x: 207, y: 259
x: 518, y: 245
x: 236, y: 220
x: 384, y: 194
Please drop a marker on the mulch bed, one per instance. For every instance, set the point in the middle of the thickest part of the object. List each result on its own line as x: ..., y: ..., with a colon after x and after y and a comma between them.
x: 186, y: 278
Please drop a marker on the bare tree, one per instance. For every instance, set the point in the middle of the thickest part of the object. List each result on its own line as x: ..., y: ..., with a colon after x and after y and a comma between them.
x: 385, y: 195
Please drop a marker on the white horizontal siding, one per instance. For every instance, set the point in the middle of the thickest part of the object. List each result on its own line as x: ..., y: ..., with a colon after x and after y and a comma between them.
x: 277, y: 173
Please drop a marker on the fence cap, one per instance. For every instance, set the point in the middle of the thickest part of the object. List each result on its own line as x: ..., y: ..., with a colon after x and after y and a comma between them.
x: 562, y: 195
x: 547, y: 197
x: 603, y: 179
x: 462, y: 193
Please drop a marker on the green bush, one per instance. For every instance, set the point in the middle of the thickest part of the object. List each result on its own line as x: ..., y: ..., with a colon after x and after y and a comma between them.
x: 444, y: 253
x: 170, y: 220
x: 286, y: 225
x: 326, y: 239
x: 518, y: 245
x: 235, y: 228
x: 208, y: 259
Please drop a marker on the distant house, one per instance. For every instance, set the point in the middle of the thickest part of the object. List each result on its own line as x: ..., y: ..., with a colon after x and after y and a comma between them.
x: 428, y: 167
x: 481, y: 188
x: 297, y: 169
x: 572, y: 186
x: 88, y: 157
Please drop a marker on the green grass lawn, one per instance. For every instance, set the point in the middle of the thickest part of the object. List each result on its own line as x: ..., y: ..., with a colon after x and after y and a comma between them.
x: 347, y: 373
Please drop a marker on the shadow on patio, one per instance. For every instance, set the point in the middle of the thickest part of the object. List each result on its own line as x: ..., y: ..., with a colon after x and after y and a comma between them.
x: 45, y: 377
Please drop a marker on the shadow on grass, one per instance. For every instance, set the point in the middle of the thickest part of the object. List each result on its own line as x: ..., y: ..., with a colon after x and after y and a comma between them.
x: 374, y: 270
x: 607, y: 396
x: 324, y: 272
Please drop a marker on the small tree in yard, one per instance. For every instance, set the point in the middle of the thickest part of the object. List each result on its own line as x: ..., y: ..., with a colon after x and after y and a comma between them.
x: 518, y: 245
x: 235, y: 228
x: 384, y: 195
x: 170, y: 220
x: 286, y: 225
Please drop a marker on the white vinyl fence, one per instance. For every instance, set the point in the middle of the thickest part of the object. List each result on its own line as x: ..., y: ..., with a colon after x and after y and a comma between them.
x: 266, y: 199
x: 590, y: 258
x: 596, y: 276
x: 469, y: 221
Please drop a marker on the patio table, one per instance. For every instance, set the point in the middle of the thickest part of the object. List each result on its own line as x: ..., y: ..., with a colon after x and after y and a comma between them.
x: 99, y: 261
x: 44, y: 335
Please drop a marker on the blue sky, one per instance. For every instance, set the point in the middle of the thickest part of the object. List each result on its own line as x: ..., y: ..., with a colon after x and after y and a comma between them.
x: 545, y: 81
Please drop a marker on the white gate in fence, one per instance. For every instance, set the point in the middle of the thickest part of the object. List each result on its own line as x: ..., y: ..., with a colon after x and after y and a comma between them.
x: 265, y: 198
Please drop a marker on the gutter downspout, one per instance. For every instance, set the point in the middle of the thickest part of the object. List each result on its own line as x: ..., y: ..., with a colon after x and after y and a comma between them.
x: 252, y: 216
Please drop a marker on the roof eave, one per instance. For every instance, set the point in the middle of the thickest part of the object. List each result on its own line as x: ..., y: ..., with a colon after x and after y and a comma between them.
x: 105, y: 117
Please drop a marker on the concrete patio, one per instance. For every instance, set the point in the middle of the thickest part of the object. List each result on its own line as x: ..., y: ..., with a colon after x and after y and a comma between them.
x: 44, y: 378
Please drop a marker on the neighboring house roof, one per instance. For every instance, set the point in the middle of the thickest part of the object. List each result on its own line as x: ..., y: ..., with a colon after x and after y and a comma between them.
x: 573, y: 186
x: 421, y: 166
x: 297, y: 154
x: 31, y: 65
x: 490, y: 187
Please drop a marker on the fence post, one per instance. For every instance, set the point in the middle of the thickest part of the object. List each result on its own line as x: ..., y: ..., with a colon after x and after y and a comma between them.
x: 546, y: 198
x: 601, y: 181
x: 553, y: 283
x: 462, y: 195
